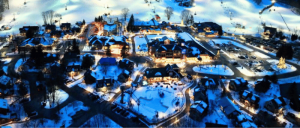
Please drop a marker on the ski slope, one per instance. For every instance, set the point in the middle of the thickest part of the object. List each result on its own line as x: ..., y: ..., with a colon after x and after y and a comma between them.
x: 244, y: 12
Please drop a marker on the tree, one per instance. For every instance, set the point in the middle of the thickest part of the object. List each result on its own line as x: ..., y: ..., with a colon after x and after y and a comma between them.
x: 130, y: 23
x: 83, y: 22
x: 33, y: 53
x: 39, y: 57
x: 96, y: 20
x: 108, y: 51
x: 169, y: 12
x: 124, y: 52
x: 286, y: 51
x: 48, y: 17
x: 185, y: 16
x: 75, y: 48
x: 87, y: 61
x: 29, y: 33
x: 99, y: 19
x: 274, y: 78
x: 124, y: 13
x: 22, y: 90
x: 220, y: 31
x: 192, y: 2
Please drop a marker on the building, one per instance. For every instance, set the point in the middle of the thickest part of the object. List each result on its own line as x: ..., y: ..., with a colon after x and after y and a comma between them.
x: 180, y: 50
x: 50, y: 28
x: 151, y: 26
x: 198, y: 110
x: 65, y: 26
x: 229, y: 109
x: 209, y: 82
x: 238, y: 84
x: 25, y: 29
x: 4, y: 110
x: 104, y: 84
x: 168, y: 73
x: 126, y: 64
x: 110, y: 29
x: 107, y: 61
x: 73, y: 69
x: 208, y: 29
x: 115, y: 43
x: 5, y: 83
x: 29, y: 43
x: 249, y: 99
x: 269, y: 32
x: 275, y: 105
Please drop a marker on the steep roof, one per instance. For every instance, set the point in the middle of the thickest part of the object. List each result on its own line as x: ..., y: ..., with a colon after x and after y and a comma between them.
x: 37, y: 41
x: 228, y: 106
x: 110, y: 61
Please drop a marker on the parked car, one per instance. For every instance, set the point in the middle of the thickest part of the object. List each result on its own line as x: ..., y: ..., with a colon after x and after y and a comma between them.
x: 242, y: 57
x: 32, y: 114
x: 253, y: 57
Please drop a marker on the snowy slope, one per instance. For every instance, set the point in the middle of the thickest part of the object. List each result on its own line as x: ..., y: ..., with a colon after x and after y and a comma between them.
x: 244, y: 12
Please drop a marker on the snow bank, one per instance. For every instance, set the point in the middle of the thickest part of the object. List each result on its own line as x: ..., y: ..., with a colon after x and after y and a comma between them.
x: 18, y: 64
x: 211, y: 69
x: 225, y: 41
x: 60, y: 96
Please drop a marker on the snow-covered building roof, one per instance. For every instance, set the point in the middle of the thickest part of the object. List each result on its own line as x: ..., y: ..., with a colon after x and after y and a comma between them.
x: 227, y: 106
x: 3, y: 104
x: 200, y: 106
x: 110, y: 27
x: 108, y: 61
x: 152, y: 22
x: 4, y: 80
x: 37, y: 41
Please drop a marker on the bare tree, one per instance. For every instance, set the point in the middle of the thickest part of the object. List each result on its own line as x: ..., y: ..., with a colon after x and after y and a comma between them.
x: 48, y: 17
x: 125, y: 12
x: 185, y: 16
x: 169, y: 12
x: 44, y: 18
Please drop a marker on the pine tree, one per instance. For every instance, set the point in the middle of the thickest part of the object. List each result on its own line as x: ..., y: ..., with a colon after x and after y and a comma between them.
x: 99, y: 19
x: 83, y: 22
x: 108, y: 51
x: 22, y: 90
x: 124, y: 52
x: 220, y: 31
x: 130, y: 23
x: 87, y: 61
x: 274, y: 78
x: 96, y: 20
x: 33, y: 53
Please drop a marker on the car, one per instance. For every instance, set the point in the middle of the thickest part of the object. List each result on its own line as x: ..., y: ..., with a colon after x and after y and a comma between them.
x: 253, y: 57
x: 119, y: 110
x: 242, y: 57
x: 113, y: 106
x: 116, y: 109
x: 125, y: 114
x: 235, y: 63
x: 261, y: 61
x: 258, y: 70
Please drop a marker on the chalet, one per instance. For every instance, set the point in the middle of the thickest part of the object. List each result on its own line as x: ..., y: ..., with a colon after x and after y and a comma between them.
x: 229, y: 109
x: 102, y: 85
x: 79, y: 23
x: 124, y: 76
x: 57, y: 34
x: 75, y: 30
x: 184, y: 50
x: 50, y: 58
x: 29, y: 43
x: 126, y: 64
x: 238, y: 84
x: 88, y: 78
x: 208, y: 29
x: 200, y: 93
x: 115, y: 43
x: 65, y: 26
x: 4, y: 109
x: 147, y: 26
x: 291, y: 91
x: 249, y: 99
x: 264, y: 119
x: 25, y: 29
x: 209, y: 82
x: 275, y: 105
x: 168, y: 73
x: 107, y: 61
x: 96, y: 42
x: 73, y: 69
x: 198, y: 110
x: 50, y: 28
x: 269, y: 32
x: 245, y: 121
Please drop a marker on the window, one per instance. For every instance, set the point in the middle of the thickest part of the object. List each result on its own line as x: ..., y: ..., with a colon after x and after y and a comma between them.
x: 107, y: 84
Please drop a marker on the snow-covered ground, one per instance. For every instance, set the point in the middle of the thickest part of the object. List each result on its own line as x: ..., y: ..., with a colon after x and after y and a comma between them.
x: 140, y: 45
x: 211, y: 69
x: 244, y: 12
x: 225, y: 41
x: 65, y: 115
x: 273, y: 63
x: 6, y: 60
x: 152, y: 37
x: 60, y: 97
x: 151, y: 102
x: 100, y: 120
x: 112, y: 71
x: 261, y: 55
